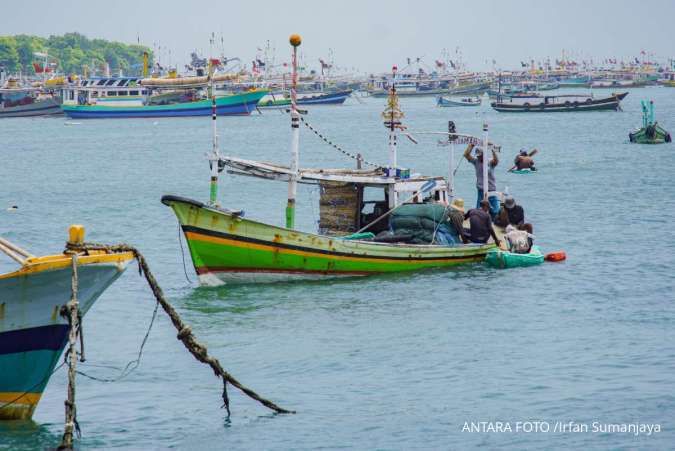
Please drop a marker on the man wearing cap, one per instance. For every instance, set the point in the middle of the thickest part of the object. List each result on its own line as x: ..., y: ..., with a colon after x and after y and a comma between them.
x: 477, y: 162
x: 456, y: 219
x: 524, y: 160
x: 511, y: 213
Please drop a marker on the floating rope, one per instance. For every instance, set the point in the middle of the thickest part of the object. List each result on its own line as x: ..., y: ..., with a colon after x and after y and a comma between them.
x: 185, y: 334
x: 337, y: 147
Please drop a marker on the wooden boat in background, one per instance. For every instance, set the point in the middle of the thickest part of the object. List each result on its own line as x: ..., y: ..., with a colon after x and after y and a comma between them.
x: 18, y: 101
x: 557, y: 103
x: 32, y: 331
x: 458, y: 102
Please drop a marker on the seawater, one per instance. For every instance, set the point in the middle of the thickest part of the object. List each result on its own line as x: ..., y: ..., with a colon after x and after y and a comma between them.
x: 388, y: 362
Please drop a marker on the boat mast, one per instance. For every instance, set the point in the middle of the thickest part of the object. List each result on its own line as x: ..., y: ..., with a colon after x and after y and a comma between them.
x: 295, y: 41
x: 485, y: 161
x: 214, y: 158
x: 451, y: 169
x: 392, y: 116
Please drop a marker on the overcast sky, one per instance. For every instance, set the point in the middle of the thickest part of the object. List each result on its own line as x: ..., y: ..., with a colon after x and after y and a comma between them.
x: 368, y: 35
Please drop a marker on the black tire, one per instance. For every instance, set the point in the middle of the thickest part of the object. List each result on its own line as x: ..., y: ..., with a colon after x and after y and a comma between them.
x: 575, y: 105
x: 527, y: 106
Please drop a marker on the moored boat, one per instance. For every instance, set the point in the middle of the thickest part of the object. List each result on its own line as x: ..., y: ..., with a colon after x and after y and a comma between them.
x: 126, y: 97
x: 452, y: 102
x: 17, y: 101
x: 283, y: 100
x: 32, y: 331
x: 558, y: 103
x: 650, y: 132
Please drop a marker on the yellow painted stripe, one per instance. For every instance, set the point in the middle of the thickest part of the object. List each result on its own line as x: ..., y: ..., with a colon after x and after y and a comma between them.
x: 264, y: 247
x: 23, y: 398
x: 60, y: 261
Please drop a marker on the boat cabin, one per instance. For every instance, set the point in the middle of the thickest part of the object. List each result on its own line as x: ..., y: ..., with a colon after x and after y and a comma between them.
x: 120, y: 91
x: 351, y: 199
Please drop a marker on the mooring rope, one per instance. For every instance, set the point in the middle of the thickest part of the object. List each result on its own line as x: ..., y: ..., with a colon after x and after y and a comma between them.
x: 185, y: 334
x: 337, y: 147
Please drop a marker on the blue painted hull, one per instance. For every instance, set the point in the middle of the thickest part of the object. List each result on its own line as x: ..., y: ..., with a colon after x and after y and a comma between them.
x: 336, y: 98
x: 242, y: 109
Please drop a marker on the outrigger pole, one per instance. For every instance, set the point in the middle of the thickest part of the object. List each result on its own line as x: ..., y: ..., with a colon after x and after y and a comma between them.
x: 295, y: 41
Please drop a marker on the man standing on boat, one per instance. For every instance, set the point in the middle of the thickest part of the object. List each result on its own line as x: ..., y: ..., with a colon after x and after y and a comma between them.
x: 477, y: 162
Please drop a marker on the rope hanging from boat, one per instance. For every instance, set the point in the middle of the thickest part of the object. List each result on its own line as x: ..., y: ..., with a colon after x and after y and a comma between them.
x: 337, y: 147
x: 185, y: 335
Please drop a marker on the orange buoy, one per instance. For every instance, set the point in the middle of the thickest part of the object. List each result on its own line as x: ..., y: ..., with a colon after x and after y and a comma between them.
x: 556, y: 256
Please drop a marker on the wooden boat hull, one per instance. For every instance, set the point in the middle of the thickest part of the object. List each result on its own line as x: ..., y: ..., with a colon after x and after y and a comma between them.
x: 226, y: 248
x: 279, y: 102
x: 45, y: 107
x: 448, y: 103
x: 657, y: 135
x: 32, y: 332
x: 608, y: 103
x: 236, y: 104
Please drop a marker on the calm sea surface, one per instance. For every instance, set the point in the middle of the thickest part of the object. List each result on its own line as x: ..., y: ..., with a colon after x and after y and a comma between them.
x: 387, y: 362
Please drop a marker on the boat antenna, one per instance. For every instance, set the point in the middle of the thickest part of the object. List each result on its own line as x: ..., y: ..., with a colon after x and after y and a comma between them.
x: 392, y: 116
x: 295, y: 41
x: 214, y: 157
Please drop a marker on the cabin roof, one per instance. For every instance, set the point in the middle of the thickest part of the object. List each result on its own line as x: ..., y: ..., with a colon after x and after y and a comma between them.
x: 366, y: 177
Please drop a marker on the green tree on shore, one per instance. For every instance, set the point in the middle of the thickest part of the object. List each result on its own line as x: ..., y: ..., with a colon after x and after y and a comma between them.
x: 72, y: 52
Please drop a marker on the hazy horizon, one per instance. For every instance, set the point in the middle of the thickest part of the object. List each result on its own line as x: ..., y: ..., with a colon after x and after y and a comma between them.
x: 369, y: 37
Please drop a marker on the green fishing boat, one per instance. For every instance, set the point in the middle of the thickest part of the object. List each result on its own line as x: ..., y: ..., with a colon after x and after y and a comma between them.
x: 225, y: 246
x: 651, y: 132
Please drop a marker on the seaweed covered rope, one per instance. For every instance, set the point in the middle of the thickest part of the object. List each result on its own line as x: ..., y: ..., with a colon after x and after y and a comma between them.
x: 185, y: 334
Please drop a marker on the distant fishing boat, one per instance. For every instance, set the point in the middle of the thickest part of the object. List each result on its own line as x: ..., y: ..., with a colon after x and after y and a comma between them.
x: 227, y: 247
x: 453, y: 102
x: 283, y: 100
x: 575, y: 82
x: 651, y: 132
x: 32, y: 331
x: 128, y: 98
x: 17, y: 101
x: 618, y: 84
x: 558, y: 103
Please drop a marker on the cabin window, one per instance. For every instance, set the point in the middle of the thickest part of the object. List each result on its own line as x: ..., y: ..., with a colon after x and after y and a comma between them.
x: 123, y: 93
x: 144, y: 92
x: 94, y: 93
x: 133, y: 93
x: 101, y: 82
x: 112, y: 93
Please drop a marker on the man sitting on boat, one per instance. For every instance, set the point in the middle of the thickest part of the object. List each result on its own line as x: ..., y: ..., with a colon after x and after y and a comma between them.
x: 456, y: 220
x: 510, y: 213
x: 524, y: 161
x: 480, y: 225
x: 519, y: 240
x: 477, y: 162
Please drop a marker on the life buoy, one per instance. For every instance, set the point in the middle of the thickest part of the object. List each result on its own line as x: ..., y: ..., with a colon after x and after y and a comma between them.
x: 575, y: 104
x: 588, y: 101
x: 568, y: 104
x: 527, y: 106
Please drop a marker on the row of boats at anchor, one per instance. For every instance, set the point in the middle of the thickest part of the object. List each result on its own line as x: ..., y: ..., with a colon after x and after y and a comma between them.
x: 226, y: 246
x: 126, y: 97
